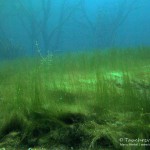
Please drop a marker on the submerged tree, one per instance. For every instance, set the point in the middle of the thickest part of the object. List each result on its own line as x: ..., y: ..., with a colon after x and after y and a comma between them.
x: 8, y: 49
x: 37, y: 21
x: 41, y: 26
x: 105, y: 27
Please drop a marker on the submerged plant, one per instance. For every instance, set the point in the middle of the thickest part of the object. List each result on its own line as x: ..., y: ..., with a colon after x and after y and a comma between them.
x: 70, y: 104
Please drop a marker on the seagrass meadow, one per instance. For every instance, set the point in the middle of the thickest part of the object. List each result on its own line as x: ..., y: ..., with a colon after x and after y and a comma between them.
x: 94, y: 100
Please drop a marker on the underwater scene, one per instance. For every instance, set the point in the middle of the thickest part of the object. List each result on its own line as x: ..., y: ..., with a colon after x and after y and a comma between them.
x: 74, y: 74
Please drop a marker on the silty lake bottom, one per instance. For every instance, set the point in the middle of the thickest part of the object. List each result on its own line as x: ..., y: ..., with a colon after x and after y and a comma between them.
x: 86, y: 100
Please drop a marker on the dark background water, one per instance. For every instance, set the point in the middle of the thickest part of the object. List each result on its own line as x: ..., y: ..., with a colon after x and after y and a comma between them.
x: 71, y: 25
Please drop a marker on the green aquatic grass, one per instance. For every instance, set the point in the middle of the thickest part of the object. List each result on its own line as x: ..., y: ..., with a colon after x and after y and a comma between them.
x: 76, y: 101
